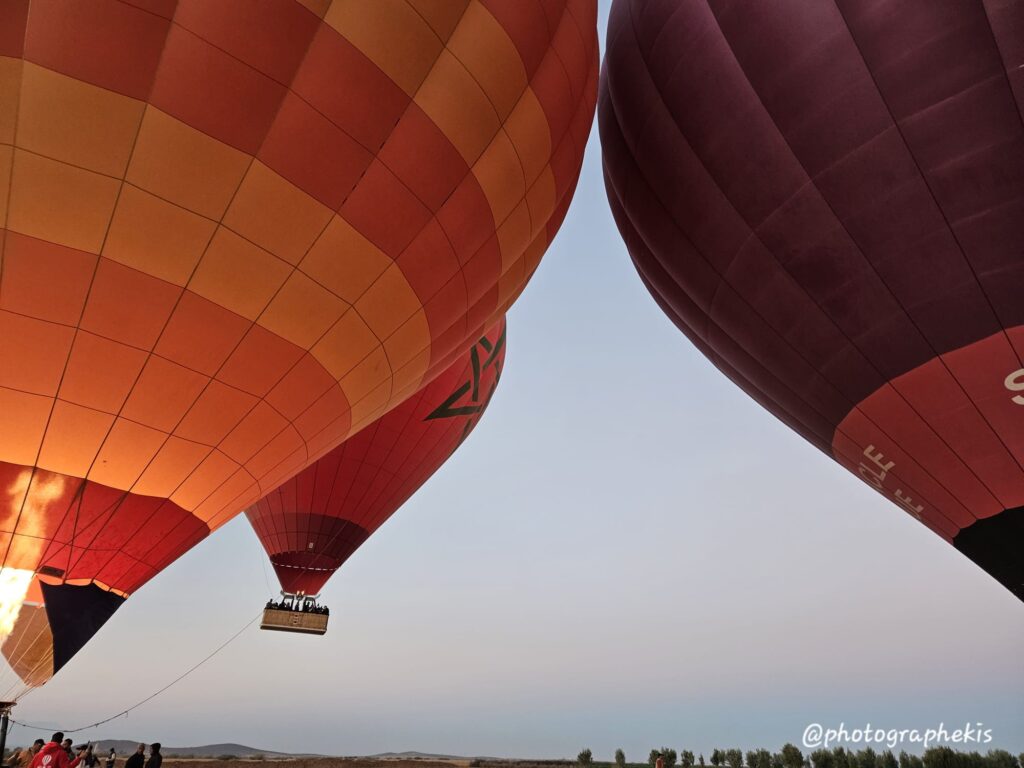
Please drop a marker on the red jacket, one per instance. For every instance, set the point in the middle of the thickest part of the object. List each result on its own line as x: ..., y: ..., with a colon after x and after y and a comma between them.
x: 52, y: 755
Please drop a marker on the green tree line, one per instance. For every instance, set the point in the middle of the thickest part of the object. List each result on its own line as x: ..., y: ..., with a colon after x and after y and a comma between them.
x: 839, y: 757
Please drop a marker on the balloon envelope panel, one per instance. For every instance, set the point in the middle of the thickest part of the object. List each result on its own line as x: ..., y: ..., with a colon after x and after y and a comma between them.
x: 235, y: 233
x: 827, y: 198
x: 316, y: 520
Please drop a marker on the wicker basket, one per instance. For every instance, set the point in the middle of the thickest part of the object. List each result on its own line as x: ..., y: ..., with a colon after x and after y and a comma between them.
x: 294, y: 621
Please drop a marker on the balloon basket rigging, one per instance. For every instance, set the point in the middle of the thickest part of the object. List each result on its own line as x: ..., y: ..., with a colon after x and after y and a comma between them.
x: 296, y: 613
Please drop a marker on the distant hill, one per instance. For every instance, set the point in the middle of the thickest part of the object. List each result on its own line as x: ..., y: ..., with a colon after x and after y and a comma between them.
x: 425, y: 756
x: 414, y: 756
x: 126, y: 747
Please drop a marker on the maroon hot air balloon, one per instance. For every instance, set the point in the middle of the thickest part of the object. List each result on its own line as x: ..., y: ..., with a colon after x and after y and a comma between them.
x: 827, y: 198
x: 312, y: 523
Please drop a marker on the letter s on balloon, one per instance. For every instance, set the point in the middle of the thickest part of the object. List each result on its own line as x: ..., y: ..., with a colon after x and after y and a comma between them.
x: 1015, y: 383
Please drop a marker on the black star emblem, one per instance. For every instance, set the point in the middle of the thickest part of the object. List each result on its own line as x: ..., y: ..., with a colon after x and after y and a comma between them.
x: 454, y: 405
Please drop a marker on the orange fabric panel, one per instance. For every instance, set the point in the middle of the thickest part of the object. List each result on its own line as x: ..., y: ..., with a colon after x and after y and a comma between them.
x: 156, y: 237
x: 33, y: 352
x: 99, y: 372
x: 59, y: 203
x: 96, y: 129
x: 392, y: 35
x: 184, y: 166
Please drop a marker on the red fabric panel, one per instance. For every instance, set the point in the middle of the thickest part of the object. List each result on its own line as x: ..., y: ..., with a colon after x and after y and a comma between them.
x: 311, y: 524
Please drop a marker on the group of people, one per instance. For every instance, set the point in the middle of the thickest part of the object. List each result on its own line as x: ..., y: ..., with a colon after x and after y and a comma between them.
x: 303, y: 606
x: 59, y: 753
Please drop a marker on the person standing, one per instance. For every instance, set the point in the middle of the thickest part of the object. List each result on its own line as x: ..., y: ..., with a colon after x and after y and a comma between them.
x: 111, y: 759
x: 138, y: 759
x: 155, y: 758
x: 660, y: 762
x: 53, y: 755
x: 23, y: 757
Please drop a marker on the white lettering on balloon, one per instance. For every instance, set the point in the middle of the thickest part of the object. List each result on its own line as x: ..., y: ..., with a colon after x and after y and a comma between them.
x: 1015, y: 383
x: 876, y: 469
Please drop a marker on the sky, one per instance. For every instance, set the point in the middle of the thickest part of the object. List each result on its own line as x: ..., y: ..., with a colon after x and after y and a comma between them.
x: 627, y: 552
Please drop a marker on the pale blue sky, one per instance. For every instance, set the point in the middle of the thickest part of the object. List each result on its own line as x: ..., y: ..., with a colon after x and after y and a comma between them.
x: 628, y: 552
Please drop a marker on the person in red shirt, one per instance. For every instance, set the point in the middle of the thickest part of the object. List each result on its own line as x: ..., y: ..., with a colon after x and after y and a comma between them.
x: 659, y: 763
x: 52, y: 755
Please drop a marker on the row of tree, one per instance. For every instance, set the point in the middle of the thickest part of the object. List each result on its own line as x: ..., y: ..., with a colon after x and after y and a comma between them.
x: 791, y: 757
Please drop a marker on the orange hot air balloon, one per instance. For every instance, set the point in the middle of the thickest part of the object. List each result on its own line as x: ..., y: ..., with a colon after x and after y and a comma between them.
x: 233, y: 234
x: 311, y: 524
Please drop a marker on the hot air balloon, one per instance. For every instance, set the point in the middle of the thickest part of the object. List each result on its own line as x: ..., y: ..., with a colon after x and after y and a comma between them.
x: 827, y: 199
x: 312, y: 524
x: 233, y: 234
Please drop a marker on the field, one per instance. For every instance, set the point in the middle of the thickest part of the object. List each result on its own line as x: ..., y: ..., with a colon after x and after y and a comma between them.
x: 310, y: 762
x: 230, y: 761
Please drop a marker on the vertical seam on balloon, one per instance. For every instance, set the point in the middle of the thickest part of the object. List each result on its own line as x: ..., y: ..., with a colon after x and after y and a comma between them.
x: 1005, y: 72
x: 77, y: 504
x: 641, y: 174
x: 375, y: 426
x: 312, y: 491
x: 853, y: 240
x: 361, y: 463
x: 422, y: 394
x: 372, y: 472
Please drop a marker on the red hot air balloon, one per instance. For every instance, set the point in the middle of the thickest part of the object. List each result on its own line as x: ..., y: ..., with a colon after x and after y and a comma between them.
x: 312, y: 523
x: 232, y: 234
x: 828, y: 200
